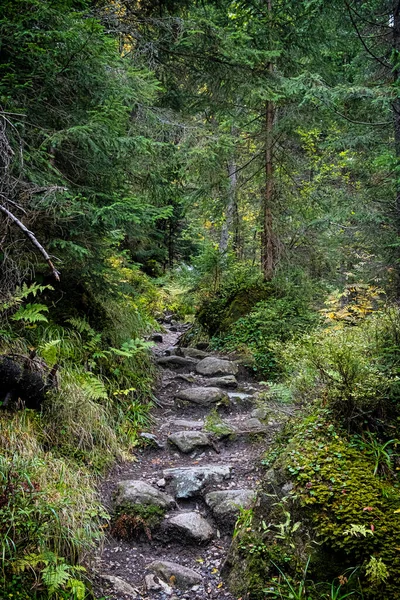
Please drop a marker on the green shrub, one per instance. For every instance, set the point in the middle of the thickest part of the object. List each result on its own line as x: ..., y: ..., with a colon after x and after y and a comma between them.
x: 271, y: 320
x: 352, y: 370
x: 352, y: 513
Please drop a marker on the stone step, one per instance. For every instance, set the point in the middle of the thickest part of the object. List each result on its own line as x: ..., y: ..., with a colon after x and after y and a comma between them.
x: 226, y: 504
x: 203, y: 396
x: 194, y: 353
x: 189, y: 527
x: 121, y: 587
x: 185, y: 423
x: 186, y: 482
x: 187, y: 441
x: 133, y: 492
x: 176, y: 362
x: 182, y: 577
x: 213, y: 366
x: 227, y: 381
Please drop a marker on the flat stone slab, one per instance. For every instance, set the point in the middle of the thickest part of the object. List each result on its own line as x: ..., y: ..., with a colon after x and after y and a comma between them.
x: 176, y: 362
x: 190, y: 526
x: 228, y: 381
x: 226, y: 504
x: 216, y: 366
x: 187, y: 423
x: 189, y: 481
x: 131, y: 492
x: 193, y: 353
x: 202, y: 395
x: 249, y: 425
x: 121, y: 586
x: 260, y: 413
x: 184, y: 578
x: 187, y: 441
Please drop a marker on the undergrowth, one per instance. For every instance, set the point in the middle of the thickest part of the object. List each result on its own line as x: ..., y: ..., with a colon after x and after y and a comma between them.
x: 330, y: 500
x: 92, y: 414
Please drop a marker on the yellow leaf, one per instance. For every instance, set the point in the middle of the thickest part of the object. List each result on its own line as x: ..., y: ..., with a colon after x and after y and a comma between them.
x: 214, y: 570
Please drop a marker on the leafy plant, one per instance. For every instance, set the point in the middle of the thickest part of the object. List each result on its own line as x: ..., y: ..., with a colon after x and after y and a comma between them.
x: 382, y: 453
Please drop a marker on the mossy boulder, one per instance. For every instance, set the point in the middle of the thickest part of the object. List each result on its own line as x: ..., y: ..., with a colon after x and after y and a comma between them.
x: 219, y: 313
x: 336, y: 512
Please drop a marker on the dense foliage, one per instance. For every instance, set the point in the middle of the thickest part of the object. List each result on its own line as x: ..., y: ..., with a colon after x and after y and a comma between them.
x: 237, y: 164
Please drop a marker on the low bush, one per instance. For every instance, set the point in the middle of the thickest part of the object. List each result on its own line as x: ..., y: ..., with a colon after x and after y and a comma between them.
x: 352, y: 370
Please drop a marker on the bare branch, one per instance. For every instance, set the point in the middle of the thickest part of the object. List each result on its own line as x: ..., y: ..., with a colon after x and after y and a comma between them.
x: 377, y: 58
x: 33, y: 240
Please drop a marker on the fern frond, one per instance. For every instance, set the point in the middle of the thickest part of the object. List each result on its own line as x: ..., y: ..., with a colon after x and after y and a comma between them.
x: 31, y: 313
x: 93, y: 387
x: 55, y: 576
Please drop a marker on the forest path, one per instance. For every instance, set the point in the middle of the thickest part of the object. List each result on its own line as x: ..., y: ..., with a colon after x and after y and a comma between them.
x: 194, y: 536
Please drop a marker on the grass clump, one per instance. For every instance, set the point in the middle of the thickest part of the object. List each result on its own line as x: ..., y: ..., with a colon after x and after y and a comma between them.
x: 49, y: 525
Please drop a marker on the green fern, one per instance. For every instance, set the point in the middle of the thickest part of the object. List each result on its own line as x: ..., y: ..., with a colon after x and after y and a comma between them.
x: 77, y: 588
x: 55, y: 576
x: 92, y: 386
x: 131, y: 348
x: 55, y: 573
x: 31, y: 313
x: 49, y: 351
x: 81, y: 325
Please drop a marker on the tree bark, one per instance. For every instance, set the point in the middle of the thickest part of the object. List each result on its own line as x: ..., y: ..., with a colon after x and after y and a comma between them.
x: 267, y: 236
x: 396, y: 126
x: 231, y: 221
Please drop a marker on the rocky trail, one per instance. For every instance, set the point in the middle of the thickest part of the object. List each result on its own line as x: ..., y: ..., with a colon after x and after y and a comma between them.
x: 200, y: 465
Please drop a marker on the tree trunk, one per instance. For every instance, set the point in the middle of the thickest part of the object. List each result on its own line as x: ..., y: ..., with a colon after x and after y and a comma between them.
x: 267, y: 236
x: 396, y: 126
x: 230, y: 223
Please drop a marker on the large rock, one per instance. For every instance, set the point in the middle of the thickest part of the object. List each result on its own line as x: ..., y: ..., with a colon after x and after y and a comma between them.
x: 228, y: 381
x: 133, y: 492
x: 183, y: 577
x: 187, y: 441
x: 250, y: 425
x: 193, y: 353
x: 121, y: 587
x: 189, y: 481
x: 176, y: 362
x: 226, y: 504
x: 202, y: 395
x: 216, y: 366
x: 191, y: 527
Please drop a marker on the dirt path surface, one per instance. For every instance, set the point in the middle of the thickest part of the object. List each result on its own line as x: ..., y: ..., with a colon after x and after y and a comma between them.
x: 197, y: 527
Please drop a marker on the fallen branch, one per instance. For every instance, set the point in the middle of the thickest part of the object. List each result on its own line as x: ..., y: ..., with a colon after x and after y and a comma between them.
x: 33, y: 240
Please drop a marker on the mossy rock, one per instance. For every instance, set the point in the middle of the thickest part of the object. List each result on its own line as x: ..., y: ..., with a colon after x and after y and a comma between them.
x: 218, y: 314
x: 346, y: 515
